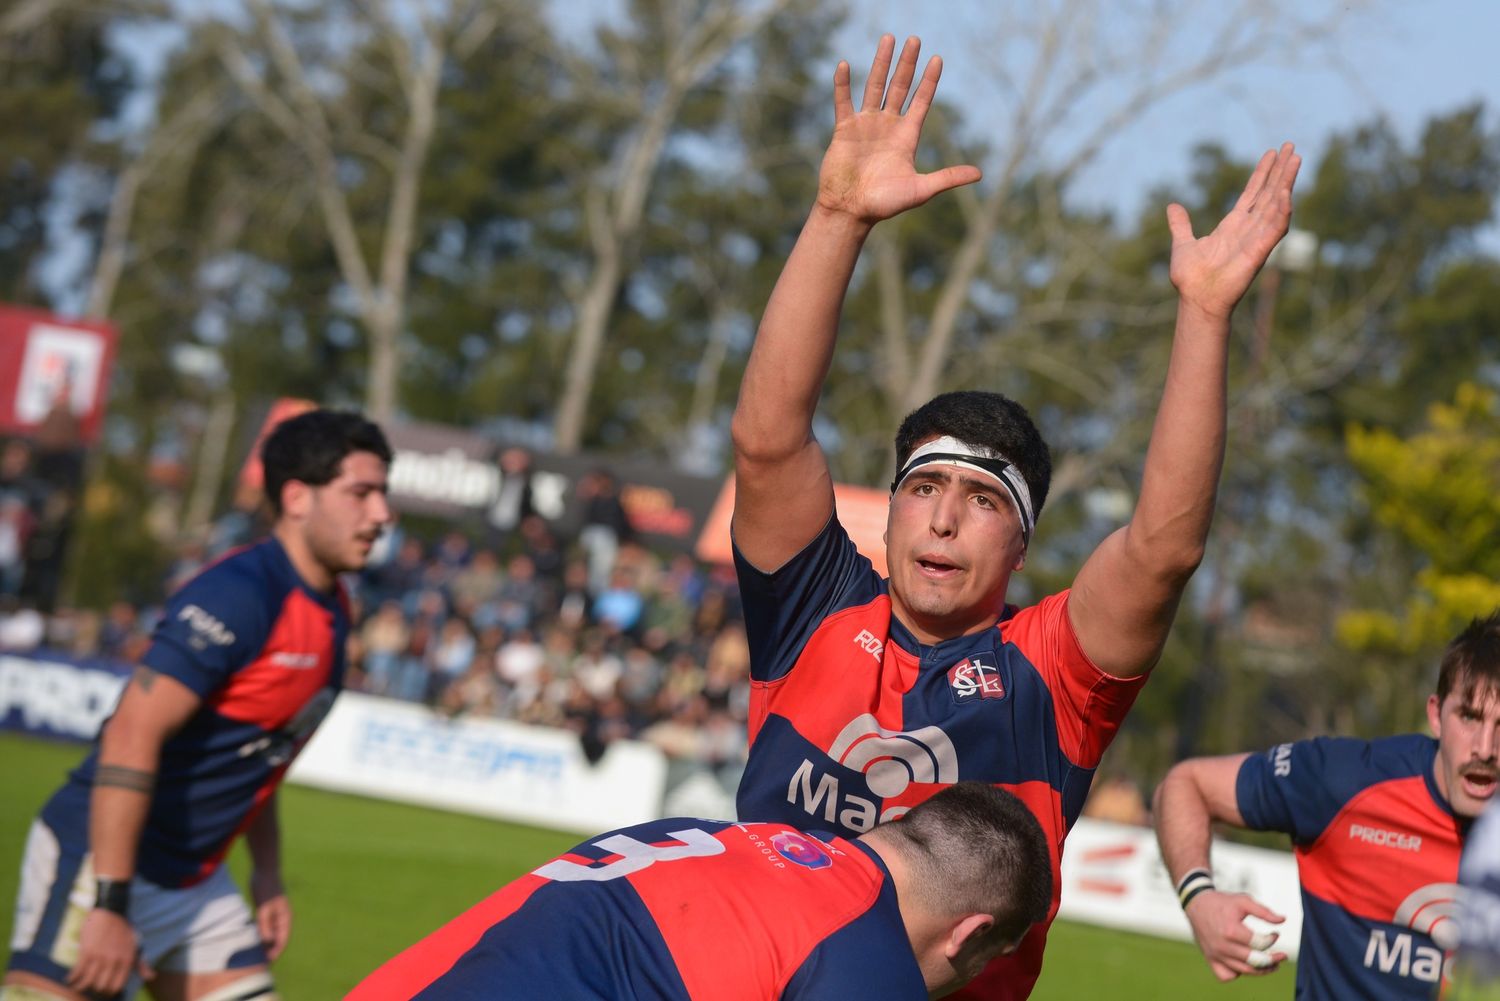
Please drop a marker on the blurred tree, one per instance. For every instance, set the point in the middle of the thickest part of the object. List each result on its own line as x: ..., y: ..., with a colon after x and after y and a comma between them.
x: 1438, y: 492
x: 311, y: 72
x: 59, y: 79
x: 669, y: 55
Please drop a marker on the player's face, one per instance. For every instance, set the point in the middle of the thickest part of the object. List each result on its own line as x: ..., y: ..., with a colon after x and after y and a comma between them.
x: 347, y: 514
x: 1468, y: 733
x: 952, y: 541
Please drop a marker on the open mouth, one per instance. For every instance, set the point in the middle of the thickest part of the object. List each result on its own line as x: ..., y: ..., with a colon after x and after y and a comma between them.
x: 1479, y: 784
x: 936, y: 568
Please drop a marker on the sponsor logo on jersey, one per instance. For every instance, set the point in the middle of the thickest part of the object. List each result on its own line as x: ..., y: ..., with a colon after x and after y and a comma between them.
x: 1431, y: 913
x: 206, y: 629
x: 890, y: 760
x: 1281, y: 760
x: 869, y: 643
x: 1388, y: 839
x: 278, y: 747
x: 977, y: 677
x: 295, y: 661
x: 804, y: 851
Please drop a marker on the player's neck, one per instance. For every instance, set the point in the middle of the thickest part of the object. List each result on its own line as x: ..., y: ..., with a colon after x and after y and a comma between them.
x: 930, y: 631
x: 313, y: 573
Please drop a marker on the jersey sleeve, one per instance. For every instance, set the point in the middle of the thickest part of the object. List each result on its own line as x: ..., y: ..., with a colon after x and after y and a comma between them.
x: 211, y: 628
x: 1088, y: 704
x: 784, y: 607
x: 870, y: 957
x: 1299, y: 788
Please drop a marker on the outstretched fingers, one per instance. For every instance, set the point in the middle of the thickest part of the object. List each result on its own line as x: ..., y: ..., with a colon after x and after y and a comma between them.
x: 879, y: 70
x: 942, y: 180
x: 1275, y: 181
x: 921, y: 102
x: 906, y: 70
x: 1257, y: 181
x: 1180, y: 224
x: 843, y: 100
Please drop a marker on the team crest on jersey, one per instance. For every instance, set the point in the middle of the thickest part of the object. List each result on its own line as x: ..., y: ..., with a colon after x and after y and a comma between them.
x: 804, y: 851
x: 976, y: 677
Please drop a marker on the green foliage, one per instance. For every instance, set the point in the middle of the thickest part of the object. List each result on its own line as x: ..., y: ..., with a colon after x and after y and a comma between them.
x: 1438, y: 492
x: 57, y: 80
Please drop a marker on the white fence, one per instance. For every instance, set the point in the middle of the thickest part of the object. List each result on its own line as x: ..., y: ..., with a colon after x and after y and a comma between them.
x: 1112, y: 874
x: 400, y: 751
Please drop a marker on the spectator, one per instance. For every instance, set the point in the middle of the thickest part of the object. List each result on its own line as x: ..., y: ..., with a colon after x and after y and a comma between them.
x: 605, y: 525
x: 384, y: 638
x: 512, y: 504
x: 519, y: 595
x: 477, y: 584
x: 620, y: 605
x: 449, y: 658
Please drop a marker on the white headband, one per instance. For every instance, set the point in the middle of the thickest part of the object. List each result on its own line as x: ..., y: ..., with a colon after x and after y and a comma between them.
x: 948, y: 451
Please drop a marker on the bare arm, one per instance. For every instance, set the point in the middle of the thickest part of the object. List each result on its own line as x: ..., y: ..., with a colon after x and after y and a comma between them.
x: 784, y: 493
x: 151, y: 709
x: 1196, y: 793
x: 1126, y: 594
x: 273, y: 911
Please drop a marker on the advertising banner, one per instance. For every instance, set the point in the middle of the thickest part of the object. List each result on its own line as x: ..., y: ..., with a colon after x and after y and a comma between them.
x: 1112, y: 875
x: 448, y: 472
x: 396, y: 750
x: 47, y: 363
x: 57, y: 696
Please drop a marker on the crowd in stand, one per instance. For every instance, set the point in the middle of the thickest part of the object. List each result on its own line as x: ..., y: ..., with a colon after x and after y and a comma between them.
x: 647, y: 648
x: 601, y: 637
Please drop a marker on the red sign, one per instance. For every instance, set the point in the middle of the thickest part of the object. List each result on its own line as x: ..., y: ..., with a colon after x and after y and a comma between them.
x: 861, y: 510
x: 48, y: 364
x: 252, y: 474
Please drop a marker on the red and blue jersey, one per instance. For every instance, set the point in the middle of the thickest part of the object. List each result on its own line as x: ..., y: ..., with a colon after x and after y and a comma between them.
x: 852, y: 721
x: 675, y: 910
x: 1377, y: 851
x: 265, y: 653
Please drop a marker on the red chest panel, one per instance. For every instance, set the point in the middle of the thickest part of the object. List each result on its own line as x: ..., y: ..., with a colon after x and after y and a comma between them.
x: 295, y: 663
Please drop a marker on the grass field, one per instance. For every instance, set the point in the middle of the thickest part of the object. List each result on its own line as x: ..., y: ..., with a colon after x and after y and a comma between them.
x: 367, y: 878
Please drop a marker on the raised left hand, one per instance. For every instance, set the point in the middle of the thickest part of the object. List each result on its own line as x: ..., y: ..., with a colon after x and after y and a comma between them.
x: 1213, y: 272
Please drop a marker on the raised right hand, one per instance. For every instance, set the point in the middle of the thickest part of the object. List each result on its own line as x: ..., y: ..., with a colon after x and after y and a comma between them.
x: 1218, y: 921
x: 869, y: 171
x: 107, y: 950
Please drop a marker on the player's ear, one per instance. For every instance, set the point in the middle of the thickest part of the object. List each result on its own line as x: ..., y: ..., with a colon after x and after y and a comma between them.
x: 967, y: 931
x: 1020, y: 563
x: 296, y: 499
x: 1435, y: 715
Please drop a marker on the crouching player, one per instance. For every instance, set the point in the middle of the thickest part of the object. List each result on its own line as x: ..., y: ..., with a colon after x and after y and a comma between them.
x: 695, y: 909
x: 123, y: 874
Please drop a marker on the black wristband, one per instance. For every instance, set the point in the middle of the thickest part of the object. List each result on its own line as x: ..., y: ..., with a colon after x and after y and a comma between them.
x: 112, y: 895
x: 1200, y: 888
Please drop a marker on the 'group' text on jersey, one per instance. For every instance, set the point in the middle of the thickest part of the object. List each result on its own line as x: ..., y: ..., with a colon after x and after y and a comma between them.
x: 265, y: 653
x: 675, y: 910
x: 1377, y: 851
x: 853, y: 722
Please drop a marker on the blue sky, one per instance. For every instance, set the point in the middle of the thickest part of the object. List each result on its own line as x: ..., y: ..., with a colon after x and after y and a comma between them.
x: 1404, y: 60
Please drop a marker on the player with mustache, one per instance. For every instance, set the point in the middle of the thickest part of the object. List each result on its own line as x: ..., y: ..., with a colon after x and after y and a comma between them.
x: 1378, y: 827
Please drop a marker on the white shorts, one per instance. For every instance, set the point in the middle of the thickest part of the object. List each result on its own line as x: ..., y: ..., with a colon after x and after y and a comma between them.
x: 204, y: 928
